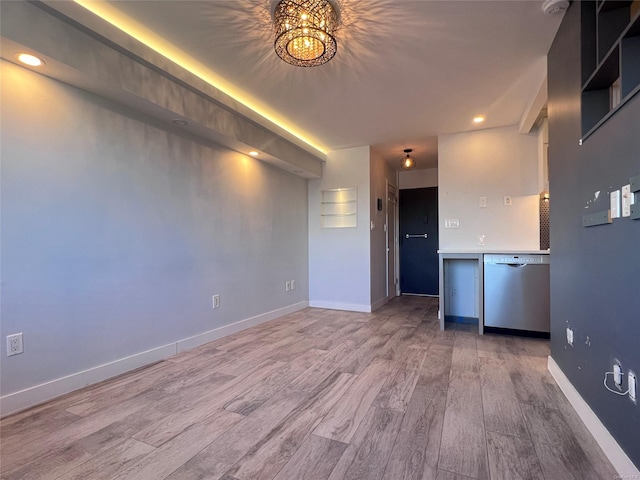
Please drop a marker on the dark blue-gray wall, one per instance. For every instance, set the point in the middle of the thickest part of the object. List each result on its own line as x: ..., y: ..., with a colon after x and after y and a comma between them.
x: 595, y: 274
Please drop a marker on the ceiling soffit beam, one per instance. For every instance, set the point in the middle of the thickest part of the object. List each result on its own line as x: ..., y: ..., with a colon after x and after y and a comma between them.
x: 537, y: 104
x: 165, y: 91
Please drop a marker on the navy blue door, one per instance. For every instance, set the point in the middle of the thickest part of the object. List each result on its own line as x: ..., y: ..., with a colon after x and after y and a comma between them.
x: 418, y: 211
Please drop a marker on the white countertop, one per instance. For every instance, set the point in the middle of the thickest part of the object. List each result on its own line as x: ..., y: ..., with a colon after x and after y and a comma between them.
x: 488, y: 251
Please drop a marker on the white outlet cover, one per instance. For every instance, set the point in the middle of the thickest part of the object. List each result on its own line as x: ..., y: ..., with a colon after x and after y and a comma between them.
x: 483, y: 202
x: 508, y: 201
x: 632, y: 386
x: 14, y: 344
x: 617, y: 375
x: 615, y: 203
x: 569, y: 336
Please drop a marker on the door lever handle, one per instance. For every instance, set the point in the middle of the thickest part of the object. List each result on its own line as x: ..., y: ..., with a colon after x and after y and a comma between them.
x: 422, y: 235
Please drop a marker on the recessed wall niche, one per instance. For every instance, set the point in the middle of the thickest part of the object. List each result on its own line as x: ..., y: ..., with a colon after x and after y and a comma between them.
x: 340, y: 208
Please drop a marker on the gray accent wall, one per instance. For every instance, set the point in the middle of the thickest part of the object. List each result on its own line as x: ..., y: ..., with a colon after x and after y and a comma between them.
x: 118, y: 229
x: 595, y: 272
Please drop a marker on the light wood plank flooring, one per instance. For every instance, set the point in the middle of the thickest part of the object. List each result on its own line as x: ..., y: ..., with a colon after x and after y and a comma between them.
x: 317, y: 395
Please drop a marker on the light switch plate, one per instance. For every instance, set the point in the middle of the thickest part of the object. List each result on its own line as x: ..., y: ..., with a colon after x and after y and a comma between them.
x: 452, y: 223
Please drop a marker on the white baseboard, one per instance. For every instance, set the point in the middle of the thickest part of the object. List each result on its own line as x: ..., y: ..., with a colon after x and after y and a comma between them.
x: 29, y: 397
x: 211, y: 335
x: 350, y: 307
x: 620, y: 461
x: 379, y: 303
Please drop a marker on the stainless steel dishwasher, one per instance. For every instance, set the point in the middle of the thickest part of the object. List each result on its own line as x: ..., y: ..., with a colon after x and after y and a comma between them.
x: 516, y: 292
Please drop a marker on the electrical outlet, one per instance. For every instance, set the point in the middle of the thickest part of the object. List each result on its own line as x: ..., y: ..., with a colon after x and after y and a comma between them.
x: 14, y: 344
x: 507, y: 201
x: 617, y: 375
x: 570, y: 336
x: 287, y: 285
x: 293, y: 284
x: 216, y: 301
x: 631, y: 378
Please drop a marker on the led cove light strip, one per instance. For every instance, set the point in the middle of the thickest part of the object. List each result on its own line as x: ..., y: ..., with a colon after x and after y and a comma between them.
x: 164, y: 48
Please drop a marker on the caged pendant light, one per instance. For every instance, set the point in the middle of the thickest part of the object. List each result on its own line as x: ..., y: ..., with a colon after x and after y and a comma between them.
x: 304, y: 32
x: 408, y: 162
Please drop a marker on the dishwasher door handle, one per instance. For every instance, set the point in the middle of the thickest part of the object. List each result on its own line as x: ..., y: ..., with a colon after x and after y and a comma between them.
x: 515, y: 265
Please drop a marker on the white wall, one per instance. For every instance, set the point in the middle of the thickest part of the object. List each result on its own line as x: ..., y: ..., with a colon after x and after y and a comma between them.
x: 490, y: 163
x: 423, y: 178
x: 339, y: 258
x: 117, y: 231
x: 381, y: 174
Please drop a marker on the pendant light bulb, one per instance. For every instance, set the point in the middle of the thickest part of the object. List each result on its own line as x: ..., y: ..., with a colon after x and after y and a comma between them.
x: 408, y: 162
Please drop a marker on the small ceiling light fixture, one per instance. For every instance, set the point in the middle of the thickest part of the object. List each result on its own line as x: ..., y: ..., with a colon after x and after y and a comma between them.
x: 180, y: 122
x: 408, y: 162
x: 304, y: 31
x: 253, y: 153
x: 30, y: 60
x: 478, y: 119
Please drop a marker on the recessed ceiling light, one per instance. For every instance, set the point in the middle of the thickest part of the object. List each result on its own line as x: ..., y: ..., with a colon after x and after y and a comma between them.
x: 179, y: 122
x: 30, y: 60
x: 478, y: 119
x: 253, y: 153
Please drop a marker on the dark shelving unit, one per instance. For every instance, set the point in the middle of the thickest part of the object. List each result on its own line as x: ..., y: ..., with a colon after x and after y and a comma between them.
x: 610, y: 59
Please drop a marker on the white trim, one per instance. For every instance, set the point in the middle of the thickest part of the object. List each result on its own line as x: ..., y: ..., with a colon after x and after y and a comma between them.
x: 29, y: 397
x: 351, y: 307
x: 379, y: 303
x: 14, y: 402
x: 211, y: 335
x: 620, y: 461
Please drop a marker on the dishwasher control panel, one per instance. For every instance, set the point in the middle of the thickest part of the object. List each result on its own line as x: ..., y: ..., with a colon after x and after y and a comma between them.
x: 516, y: 259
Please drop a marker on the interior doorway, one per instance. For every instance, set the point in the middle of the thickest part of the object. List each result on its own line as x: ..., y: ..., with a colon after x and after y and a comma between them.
x: 418, y: 220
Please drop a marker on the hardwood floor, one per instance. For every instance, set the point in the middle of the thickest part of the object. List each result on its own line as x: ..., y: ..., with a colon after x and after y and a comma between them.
x: 317, y: 395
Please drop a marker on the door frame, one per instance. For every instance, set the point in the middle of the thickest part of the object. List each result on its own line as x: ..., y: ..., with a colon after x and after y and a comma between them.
x: 399, y: 266
x: 391, y: 241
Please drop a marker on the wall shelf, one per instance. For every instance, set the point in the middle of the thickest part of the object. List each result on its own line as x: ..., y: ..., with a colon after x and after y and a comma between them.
x: 610, y: 59
x: 339, y: 208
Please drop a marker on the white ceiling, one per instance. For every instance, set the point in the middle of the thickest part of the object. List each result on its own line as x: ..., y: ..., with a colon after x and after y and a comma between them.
x: 405, y: 71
